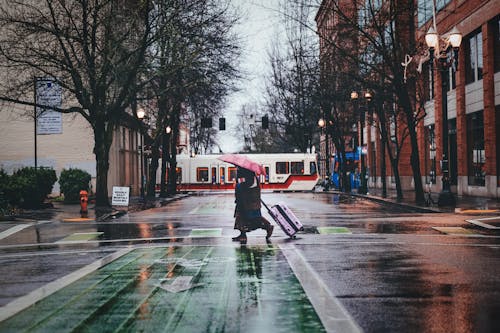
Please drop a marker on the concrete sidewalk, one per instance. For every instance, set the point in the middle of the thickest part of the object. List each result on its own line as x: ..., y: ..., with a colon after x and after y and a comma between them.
x: 463, y: 203
x: 61, y: 211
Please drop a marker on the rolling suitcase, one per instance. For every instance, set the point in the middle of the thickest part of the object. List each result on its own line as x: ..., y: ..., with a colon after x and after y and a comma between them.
x: 285, y: 218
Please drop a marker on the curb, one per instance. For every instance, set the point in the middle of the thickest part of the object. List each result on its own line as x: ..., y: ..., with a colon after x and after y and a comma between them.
x: 385, y: 201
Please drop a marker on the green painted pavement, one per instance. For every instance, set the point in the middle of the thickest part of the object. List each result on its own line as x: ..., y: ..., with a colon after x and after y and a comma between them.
x: 334, y: 230
x: 81, y: 236
x: 179, y: 289
x: 209, y: 232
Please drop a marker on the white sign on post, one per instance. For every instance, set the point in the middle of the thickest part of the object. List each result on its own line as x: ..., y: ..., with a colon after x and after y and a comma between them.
x: 120, y: 196
x: 49, y: 94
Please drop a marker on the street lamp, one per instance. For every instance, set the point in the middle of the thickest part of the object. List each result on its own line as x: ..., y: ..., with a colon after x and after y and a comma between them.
x: 166, y: 153
x: 141, y: 114
x: 368, y: 97
x: 440, y: 51
x: 322, y: 125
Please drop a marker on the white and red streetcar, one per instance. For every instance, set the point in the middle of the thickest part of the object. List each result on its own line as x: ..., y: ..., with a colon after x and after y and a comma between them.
x: 284, y: 172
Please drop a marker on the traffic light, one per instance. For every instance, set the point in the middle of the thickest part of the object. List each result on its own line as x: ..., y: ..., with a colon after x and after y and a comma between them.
x: 265, y: 122
x: 206, y: 122
x: 222, y: 124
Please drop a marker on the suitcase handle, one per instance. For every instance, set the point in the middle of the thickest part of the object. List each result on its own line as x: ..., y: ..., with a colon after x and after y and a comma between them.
x: 268, y: 210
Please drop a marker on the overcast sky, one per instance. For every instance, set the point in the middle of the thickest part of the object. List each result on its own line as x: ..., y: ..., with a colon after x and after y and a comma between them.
x: 260, y: 24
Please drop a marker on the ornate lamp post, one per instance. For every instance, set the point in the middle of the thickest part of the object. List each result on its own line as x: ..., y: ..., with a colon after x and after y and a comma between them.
x: 438, y: 49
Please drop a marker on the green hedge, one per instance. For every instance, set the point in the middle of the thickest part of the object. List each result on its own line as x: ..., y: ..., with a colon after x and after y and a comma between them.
x: 27, y: 187
x: 72, y: 181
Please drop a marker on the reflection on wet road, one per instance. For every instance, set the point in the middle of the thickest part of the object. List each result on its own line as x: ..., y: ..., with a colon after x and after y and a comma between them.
x: 385, y: 268
x: 179, y: 289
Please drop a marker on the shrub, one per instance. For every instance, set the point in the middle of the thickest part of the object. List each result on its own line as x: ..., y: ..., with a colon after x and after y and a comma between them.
x: 72, y: 181
x: 4, y: 191
x: 28, y: 187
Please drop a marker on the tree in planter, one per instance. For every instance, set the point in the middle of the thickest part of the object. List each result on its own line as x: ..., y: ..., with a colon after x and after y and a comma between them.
x: 72, y: 181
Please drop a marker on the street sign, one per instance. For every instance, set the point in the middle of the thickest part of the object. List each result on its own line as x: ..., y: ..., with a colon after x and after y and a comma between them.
x: 49, y: 94
x: 120, y: 196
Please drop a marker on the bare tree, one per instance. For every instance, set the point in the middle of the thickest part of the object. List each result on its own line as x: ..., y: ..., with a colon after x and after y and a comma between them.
x: 192, y: 68
x: 93, y: 49
x: 372, y: 38
x: 293, y: 88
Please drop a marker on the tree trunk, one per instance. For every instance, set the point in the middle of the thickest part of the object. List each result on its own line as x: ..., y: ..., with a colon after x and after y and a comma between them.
x: 383, y: 170
x: 153, y: 168
x: 414, y: 158
x: 395, y: 169
x: 103, y: 139
x: 165, y: 156
x: 172, y: 175
x: 384, y: 141
x: 102, y: 168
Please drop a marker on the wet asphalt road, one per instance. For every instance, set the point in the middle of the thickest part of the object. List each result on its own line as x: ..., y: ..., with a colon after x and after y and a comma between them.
x: 386, y: 269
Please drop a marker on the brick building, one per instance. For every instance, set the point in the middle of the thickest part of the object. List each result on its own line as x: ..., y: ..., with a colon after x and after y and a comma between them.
x: 473, y: 98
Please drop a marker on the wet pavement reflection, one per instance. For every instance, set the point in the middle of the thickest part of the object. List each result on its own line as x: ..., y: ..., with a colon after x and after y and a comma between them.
x: 181, y: 289
x: 392, y: 269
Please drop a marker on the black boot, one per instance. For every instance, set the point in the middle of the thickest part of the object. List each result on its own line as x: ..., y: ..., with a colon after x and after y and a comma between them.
x: 241, y: 238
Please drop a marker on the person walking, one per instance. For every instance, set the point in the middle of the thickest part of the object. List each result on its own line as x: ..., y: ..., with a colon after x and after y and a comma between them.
x: 247, y: 211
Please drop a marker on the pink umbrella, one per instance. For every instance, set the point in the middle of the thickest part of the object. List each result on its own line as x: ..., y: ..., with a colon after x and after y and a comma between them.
x: 243, y: 162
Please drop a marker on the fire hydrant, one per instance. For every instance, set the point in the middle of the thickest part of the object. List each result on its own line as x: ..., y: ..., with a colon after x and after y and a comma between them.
x: 84, y: 199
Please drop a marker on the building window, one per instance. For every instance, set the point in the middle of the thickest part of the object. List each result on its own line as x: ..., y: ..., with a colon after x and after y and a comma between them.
x: 496, y: 42
x: 474, y: 57
x: 452, y: 81
x: 475, y: 148
x: 425, y: 9
x: 431, y: 138
x: 428, y: 83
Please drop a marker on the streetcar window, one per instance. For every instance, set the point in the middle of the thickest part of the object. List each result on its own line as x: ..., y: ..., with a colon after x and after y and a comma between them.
x: 281, y: 168
x: 312, y: 167
x: 222, y: 175
x: 232, y: 174
x: 202, y: 174
x: 297, y: 168
x: 214, y: 175
x: 179, y: 175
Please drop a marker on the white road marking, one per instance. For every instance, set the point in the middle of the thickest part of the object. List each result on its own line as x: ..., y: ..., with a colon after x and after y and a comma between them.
x: 13, y: 230
x: 332, y: 314
x: 485, y: 225
x: 36, y: 295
